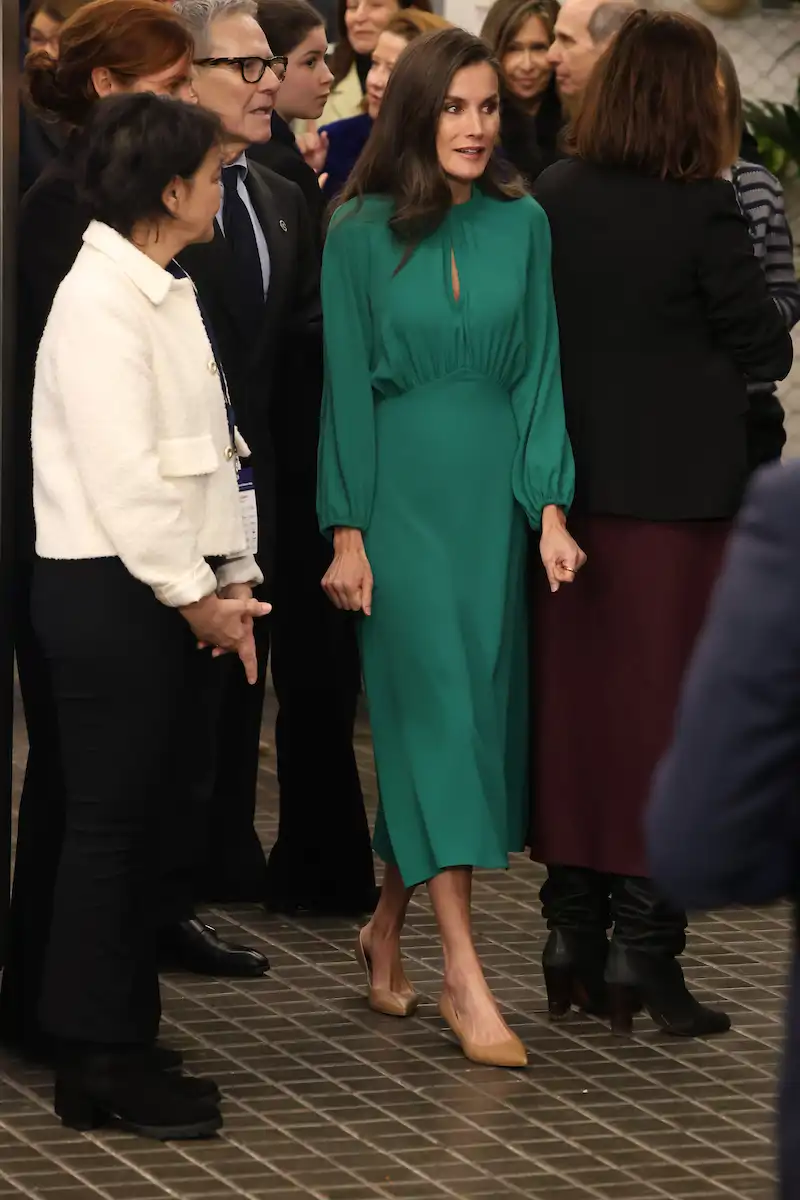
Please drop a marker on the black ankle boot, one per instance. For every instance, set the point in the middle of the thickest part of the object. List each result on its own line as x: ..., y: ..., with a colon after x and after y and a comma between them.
x: 96, y: 1087
x: 575, y: 904
x: 574, y: 966
x: 639, y: 980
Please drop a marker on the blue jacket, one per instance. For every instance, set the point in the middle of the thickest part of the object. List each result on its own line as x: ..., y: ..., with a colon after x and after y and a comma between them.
x: 346, y: 140
x: 724, y: 820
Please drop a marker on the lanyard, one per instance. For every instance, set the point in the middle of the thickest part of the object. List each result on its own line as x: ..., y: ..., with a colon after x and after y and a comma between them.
x: 177, y: 272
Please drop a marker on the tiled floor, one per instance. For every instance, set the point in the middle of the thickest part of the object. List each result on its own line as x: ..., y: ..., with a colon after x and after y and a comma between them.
x: 325, y: 1099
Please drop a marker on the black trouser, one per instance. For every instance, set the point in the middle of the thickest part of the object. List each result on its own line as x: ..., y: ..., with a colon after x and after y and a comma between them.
x: 118, y: 661
x: 39, y: 830
x: 579, y: 899
x: 323, y: 850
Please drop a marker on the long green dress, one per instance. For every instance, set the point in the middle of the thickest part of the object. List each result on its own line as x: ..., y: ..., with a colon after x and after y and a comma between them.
x: 442, y: 430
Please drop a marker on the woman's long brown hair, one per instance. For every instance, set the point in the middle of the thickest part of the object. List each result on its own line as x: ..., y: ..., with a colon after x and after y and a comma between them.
x: 400, y: 158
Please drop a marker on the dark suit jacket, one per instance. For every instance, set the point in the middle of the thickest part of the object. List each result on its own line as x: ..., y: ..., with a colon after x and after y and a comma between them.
x: 662, y: 310
x: 259, y: 375
x: 724, y: 820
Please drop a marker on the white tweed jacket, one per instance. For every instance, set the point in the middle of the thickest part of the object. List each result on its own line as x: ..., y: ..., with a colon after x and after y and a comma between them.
x: 130, y: 430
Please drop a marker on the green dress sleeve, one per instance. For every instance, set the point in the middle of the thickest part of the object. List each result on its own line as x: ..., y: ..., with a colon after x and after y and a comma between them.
x: 543, y: 472
x: 346, y: 457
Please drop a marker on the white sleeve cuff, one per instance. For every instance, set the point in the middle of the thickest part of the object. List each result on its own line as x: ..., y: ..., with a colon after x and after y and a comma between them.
x: 241, y: 569
x: 194, y: 585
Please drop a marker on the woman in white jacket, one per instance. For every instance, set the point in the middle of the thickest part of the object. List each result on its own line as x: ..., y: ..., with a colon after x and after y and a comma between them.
x: 143, y: 573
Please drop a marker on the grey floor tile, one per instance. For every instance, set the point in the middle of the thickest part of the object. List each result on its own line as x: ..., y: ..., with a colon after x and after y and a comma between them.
x: 325, y: 1099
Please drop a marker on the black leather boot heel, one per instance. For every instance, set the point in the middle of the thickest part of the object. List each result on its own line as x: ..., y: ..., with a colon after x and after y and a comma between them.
x: 573, y: 965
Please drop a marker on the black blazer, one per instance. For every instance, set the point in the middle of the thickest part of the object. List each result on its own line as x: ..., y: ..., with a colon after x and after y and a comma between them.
x: 724, y: 820
x: 662, y: 310
x: 260, y: 375
x: 50, y: 229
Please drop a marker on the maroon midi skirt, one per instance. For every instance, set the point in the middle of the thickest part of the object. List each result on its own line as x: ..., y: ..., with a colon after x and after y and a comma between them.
x: 609, y: 655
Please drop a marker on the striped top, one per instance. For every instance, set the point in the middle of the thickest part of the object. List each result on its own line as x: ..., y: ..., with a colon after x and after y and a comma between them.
x: 760, y: 198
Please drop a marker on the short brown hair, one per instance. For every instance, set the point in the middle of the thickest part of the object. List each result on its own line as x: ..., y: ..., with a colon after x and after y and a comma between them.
x: 131, y: 38
x: 653, y: 104
x: 732, y: 110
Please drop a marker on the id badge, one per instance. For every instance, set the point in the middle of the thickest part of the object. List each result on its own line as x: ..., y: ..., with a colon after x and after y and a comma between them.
x: 247, y: 499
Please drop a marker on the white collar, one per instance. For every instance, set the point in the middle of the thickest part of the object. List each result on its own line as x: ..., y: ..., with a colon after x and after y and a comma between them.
x: 241, y: 161
x: 149, y: 277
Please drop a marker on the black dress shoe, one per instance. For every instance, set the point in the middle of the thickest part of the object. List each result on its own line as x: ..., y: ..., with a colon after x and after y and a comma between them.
x: 103, y: 1087
x: 195, y: 947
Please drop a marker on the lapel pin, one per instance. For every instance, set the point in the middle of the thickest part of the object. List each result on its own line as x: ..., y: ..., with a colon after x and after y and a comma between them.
x: 283, y: 226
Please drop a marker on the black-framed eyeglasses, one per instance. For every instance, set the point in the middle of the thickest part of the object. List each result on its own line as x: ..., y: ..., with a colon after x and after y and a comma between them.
x: 252, y: 69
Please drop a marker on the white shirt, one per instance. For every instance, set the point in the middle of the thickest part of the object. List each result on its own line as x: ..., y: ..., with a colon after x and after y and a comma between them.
x: 242, y: 192
x: 130, y: 431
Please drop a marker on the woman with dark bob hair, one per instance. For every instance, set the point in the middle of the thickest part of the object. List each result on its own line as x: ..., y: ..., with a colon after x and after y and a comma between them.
x: 442, y: 440
x: 107, y: 48
x: 141, y: 557
x: 664, y: 314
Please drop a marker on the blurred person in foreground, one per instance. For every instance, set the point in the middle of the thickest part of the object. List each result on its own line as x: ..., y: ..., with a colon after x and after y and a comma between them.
x: 723, y: 820
x: 664, y: 315
x: 142, y: 577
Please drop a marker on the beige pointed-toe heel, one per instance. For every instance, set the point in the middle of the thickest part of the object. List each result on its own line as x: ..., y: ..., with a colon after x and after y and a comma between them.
x: 508, y: 1053
x: 384, y: 1000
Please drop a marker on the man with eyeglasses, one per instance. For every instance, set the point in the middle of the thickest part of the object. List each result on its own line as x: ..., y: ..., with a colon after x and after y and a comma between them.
x: 259, y: 284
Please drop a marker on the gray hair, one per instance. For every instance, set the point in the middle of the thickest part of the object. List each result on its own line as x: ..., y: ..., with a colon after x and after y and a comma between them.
x: 200, y: 15
x: 607, y: 19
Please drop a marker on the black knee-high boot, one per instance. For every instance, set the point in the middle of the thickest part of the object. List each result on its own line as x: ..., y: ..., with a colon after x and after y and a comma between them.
x: 643, y: 969
x: 575, y: 904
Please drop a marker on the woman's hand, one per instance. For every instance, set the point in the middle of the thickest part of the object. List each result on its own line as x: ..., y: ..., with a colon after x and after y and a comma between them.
x: 313, y: 146
x: 348, y: 580
x: 227, y: 624
x: 561, y: 554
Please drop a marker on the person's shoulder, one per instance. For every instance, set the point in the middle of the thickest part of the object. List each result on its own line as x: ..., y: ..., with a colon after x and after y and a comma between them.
x: 353, y: 217
x: 348, y: 130
x: 524, y: 211
x: 566, y: 172
x: 755, y: 183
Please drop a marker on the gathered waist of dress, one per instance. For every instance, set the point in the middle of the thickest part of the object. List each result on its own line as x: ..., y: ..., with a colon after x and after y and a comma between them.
x: 461, y: 382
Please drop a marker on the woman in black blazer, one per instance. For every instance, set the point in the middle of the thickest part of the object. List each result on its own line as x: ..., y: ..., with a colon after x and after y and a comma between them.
x: 664, y: 315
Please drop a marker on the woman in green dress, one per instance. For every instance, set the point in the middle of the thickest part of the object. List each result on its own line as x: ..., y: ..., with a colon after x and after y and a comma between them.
x: 442, y: 431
